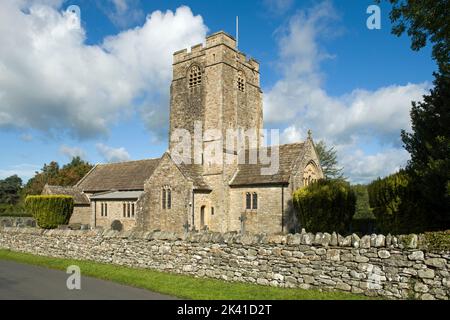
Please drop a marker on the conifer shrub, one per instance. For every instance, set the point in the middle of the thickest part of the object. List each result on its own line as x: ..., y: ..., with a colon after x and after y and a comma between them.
x: 325, y: 206
x: 50, y: 211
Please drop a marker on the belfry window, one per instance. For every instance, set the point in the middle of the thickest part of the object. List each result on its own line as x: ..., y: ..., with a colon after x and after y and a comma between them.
x: 195, y: 77
x: 241, y: 82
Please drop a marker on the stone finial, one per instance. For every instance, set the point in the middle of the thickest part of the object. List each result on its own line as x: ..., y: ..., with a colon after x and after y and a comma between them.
x: 310, y: 134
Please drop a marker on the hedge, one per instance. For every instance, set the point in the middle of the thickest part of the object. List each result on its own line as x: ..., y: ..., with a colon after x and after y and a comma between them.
x: 325, y: 206
x: 50, y: 211
x: 394, y: 202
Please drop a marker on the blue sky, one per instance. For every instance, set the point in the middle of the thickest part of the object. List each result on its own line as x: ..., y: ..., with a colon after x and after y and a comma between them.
x: 101, y: 90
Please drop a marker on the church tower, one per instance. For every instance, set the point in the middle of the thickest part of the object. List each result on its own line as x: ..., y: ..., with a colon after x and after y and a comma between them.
x: 217, y: 86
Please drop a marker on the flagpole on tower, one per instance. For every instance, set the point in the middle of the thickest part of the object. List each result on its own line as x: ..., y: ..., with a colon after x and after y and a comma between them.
x: 237, y: 31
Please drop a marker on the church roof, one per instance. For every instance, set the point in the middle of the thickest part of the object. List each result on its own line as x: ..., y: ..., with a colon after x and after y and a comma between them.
x: 122, y: 176
x: 78, y: 196
x: 194, y: 172
x: 250, y: 174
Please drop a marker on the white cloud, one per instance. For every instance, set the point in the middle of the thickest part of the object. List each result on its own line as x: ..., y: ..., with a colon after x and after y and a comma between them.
x: 72, y: 152
x: 52, y: 81
x: 113, y: 154
x: 24, y: 171
x: 298, y: 102
x: 363, y: 168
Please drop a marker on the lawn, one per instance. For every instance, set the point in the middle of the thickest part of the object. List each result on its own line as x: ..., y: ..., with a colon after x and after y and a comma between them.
x: 176, y: 285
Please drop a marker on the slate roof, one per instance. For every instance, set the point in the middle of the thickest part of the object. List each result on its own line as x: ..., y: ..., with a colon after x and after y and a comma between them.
x: 78, y: 196
x: 250, y: 174
x: 124, y: 176
x: 194, y: 172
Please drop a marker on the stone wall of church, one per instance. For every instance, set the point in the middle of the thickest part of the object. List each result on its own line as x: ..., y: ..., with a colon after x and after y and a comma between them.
x: 273, y: 208
x: 392, y: 267
x: 115, y: 212
x: 81, y: 214
x: 150, y: 213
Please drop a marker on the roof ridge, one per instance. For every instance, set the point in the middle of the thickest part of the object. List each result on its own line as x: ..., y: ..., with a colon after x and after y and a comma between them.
x: 130, y: 161
x: 279, y: 145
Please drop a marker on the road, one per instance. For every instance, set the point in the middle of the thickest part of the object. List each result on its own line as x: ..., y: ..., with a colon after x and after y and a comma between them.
x: 27, y: 282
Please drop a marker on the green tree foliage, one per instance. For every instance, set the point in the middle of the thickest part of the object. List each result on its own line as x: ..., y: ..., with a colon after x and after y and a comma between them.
x: 429, y: 147
x: 328, y: 161
x: 10, y: 193
x: 52, y: 174
x: 428, y: 172
x: 363, y: 210
x: 424, y: 21
x: 395, y: 206
x: 10, y: 190
x: 50, y: 211
x: 325, y: 206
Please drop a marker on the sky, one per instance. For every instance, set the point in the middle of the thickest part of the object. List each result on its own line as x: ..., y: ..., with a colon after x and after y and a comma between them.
x: 98, y: 87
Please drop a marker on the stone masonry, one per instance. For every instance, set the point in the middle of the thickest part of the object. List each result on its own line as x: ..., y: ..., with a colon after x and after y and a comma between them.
x: 376, y: 265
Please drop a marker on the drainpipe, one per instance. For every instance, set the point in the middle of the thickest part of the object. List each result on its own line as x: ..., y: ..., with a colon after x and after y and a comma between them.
x: 193, y: 210
x: 282, y: 209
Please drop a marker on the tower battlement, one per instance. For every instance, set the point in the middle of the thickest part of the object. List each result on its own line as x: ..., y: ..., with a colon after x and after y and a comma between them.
x: 214, y: 40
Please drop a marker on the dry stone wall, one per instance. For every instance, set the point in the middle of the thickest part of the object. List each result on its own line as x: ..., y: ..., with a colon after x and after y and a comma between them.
x: 392, y: 267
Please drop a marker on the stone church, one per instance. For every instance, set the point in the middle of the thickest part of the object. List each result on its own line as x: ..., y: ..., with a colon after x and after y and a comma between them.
x: 216, y: 86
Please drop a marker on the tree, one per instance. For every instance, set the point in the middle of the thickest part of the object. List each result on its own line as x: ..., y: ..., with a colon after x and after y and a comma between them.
x: 72, y: 172
x: 429, y: 147
x: 10, y: 190
x: 52, y: 174
x: 328, y: 161
x: 363, y: 210
x: 424, y: 21
x: 48, y: 174
x: 429, y: 143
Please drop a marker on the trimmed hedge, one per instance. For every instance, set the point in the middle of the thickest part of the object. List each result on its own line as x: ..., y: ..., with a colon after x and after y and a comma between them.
x: 50, y: 211
x: 325, y: 206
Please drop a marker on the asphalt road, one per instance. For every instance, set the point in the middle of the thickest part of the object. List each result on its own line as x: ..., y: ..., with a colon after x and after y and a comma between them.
x: 27, y: 282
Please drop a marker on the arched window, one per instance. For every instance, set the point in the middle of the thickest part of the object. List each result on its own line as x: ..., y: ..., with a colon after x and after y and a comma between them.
x: 255, y: 201
x: 164, y: 195
x: 310, y: 174
x: 195, y: 77
x: 248, y: 201
x: 166, y: 198
x: 241, y: 81
x: 169, y: 199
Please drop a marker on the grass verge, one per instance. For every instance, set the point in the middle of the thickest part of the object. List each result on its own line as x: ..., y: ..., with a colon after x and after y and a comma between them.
x: 176, y: 285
